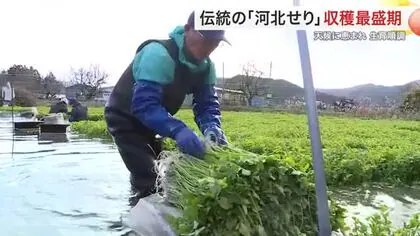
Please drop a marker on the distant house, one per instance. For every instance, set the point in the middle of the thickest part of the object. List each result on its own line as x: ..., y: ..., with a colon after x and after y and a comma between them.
x: 231, y: 97
x: 73, y: 90
x: 321, y: 105
x: 76, y: 91
x: 103, y: 94
x: 7, y: 93
x: 258, y: 101
x: 226, y: 97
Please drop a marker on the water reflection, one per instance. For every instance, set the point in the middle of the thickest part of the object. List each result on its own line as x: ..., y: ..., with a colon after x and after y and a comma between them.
x: 46, y: 138
x: 362, y: 202
x: 60, y: 184
x: 25, y: 132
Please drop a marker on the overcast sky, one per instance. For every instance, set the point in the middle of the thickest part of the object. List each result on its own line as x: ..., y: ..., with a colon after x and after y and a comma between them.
x: 56, y: 35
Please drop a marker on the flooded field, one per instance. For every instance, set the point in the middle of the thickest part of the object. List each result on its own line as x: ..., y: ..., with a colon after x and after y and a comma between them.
x: 67, y: 185
x: 365, y: 201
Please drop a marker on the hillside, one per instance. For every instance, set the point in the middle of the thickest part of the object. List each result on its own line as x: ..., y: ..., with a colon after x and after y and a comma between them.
x: 374, y: 94
x: 280, y: 89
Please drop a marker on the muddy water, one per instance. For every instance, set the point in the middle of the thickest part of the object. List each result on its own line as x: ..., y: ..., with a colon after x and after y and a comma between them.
x: 66, y: 185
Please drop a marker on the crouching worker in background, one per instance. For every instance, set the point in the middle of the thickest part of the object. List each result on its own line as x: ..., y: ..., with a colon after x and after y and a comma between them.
x: 78, y: 111
x: 59, y: 107
x: 152, y: 90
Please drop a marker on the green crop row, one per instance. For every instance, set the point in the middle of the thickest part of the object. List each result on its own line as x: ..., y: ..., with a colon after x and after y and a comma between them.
x: 355, y: 150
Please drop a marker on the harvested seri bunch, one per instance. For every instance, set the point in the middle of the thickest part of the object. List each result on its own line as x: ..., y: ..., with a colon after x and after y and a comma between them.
x: 234, y: 192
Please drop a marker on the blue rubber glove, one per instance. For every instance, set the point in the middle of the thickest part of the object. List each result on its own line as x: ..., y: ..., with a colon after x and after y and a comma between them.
x: 216, y: 135
x: 147, y: 107
x: 189, y: 143
x: 207, y: 113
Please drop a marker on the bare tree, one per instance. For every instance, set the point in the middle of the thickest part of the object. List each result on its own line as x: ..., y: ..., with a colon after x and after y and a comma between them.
x: 51, y: 86
x: 89, y: 79
x: 251, y: 82
x: 411, y: 102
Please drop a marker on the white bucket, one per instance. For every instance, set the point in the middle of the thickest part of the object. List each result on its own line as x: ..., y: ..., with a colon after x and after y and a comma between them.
x: 56, y: 118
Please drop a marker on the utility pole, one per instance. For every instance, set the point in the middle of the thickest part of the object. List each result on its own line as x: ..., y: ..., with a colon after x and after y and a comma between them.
x: 271, y: 68
x: 323, y: 213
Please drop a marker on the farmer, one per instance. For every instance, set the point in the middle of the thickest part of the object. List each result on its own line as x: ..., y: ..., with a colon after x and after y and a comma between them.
x: 59, y: 107
x: 153, y: 88
x: 78, y: 111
